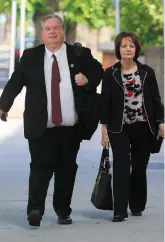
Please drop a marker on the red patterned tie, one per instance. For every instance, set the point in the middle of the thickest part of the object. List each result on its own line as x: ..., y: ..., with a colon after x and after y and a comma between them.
x: 55, y: 93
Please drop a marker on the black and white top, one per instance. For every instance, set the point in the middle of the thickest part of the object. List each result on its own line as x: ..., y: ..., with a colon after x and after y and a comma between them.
x: 134, y: 108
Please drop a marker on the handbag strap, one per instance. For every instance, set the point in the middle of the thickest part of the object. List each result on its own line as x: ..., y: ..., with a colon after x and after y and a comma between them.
x: 105, y: 162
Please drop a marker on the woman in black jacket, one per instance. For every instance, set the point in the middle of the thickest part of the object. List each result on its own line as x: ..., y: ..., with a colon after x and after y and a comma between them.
x: 131, y: 116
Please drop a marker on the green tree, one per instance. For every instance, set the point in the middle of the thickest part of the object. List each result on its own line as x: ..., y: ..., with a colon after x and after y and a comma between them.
x: 40, y: 9
x: 94, y: 13
x: 4, y: 6
x: 145, y: 17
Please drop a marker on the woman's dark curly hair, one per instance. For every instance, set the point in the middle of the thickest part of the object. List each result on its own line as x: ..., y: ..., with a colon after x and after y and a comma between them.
x: 135, y: 40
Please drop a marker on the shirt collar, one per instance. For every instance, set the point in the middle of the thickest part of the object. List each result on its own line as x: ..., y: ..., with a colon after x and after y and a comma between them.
x: 57, y: 53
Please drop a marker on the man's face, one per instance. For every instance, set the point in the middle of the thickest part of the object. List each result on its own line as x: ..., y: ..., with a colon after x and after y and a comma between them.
x: 52, y: 32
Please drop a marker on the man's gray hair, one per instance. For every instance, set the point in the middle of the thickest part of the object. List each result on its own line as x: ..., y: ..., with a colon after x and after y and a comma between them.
x: 54, y: 16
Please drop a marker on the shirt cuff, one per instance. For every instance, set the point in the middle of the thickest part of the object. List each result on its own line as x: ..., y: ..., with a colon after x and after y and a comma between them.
x: 86, y: 80
x: 160, y: 121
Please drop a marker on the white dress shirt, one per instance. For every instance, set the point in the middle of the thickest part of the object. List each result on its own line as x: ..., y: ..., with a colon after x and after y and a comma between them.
x: 69, y: 115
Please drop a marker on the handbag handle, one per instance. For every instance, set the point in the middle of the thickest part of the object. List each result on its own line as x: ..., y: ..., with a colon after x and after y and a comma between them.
x: 105, y: 162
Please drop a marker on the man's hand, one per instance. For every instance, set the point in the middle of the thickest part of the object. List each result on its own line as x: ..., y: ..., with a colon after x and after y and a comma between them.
x: 161, y: 130
x: 80, y: 79
x: 3, y: 113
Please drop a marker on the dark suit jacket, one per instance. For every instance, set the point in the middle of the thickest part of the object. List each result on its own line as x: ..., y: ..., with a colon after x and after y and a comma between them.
x: 112, y: 98
x: 30, y: 73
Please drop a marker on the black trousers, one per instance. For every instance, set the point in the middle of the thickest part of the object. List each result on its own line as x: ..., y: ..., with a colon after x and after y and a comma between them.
x: 55, y: 153
x: 131, y: 153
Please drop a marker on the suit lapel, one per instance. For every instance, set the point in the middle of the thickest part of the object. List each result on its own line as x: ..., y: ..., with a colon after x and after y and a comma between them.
x: 143, y: 75
x: 74, y: 68
x: 73, y: 65
x: 71, y: 60
x: 40, y: 54
x: 142, y: 72
x: 117, y: 74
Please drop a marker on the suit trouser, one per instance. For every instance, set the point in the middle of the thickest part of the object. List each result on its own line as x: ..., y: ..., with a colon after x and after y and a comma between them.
x: 55, y: 153
x: 131, y: 153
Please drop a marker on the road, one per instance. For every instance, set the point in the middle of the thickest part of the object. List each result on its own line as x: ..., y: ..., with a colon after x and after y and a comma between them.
x: 89, y: 224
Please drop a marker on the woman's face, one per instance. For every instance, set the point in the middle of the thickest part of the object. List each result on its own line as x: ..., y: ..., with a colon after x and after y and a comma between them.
x: 127, y: 48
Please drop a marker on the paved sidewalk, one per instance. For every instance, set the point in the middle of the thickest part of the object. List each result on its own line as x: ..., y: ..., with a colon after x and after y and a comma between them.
x: 89, y: 224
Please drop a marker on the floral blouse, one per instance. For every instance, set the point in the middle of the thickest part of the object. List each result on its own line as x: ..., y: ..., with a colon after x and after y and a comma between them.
x: 134, y: 108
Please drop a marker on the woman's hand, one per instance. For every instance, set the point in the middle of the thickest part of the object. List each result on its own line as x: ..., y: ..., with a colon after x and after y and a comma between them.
x: 161, y: 130
x: 104, y: 140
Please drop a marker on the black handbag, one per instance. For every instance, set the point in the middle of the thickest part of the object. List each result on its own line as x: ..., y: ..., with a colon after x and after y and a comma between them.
x: 156, y: 144
x: 102, y: 192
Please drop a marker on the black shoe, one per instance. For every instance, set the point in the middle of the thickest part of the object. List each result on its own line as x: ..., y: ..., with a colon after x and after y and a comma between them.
x: 118, y: 218
x: 34, y: 218
x: 125, y: 215
x: 64, y: 220
x: 136, y: 213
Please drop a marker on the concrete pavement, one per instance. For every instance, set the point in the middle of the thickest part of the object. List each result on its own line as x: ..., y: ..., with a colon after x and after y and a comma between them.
x: 89, y: 224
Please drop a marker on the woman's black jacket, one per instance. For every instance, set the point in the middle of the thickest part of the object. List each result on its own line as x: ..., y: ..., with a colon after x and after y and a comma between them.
x: 113, y: 98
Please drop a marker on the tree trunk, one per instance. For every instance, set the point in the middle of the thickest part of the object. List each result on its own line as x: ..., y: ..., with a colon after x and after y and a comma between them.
x: 37, y: 18
x: 70, y: 33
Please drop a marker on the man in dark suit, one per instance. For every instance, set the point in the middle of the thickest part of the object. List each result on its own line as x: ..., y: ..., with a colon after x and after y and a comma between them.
x: 56, y: 87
